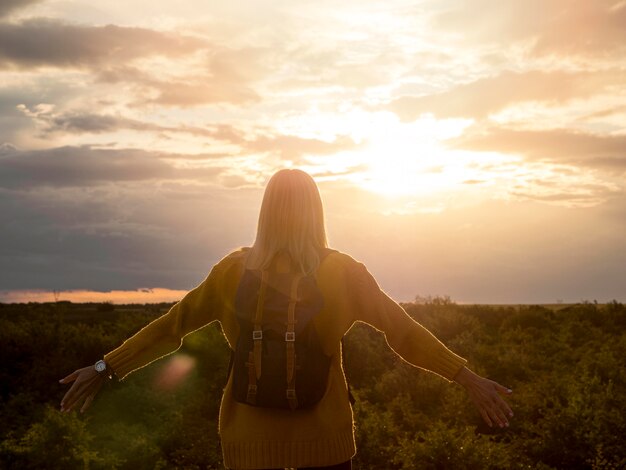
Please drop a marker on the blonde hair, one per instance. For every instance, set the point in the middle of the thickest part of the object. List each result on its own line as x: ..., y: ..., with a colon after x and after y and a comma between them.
x: 291, y: 222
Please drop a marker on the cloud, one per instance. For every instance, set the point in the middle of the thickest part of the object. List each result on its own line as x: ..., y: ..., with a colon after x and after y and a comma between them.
x: 582, y: 27
x: 7, y: 149
x: 87, y: 166
x: 558, y: 27
x: 46, y: 42
x: 293, y: 147
x: 574, y: 198
x: 66, y: 230
x: 222, y: 80
x: 554, y: 145
x: 9, y: 6
x: 185, y: 92
x: 199, y: 91
x: 82, y: 122
x: 488, y: 95
x: 255, y: 140
x: 605, y: 112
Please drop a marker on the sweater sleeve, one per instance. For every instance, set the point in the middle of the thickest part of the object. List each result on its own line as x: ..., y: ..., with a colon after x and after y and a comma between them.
x: 408, y: 338
x: 197, y: 308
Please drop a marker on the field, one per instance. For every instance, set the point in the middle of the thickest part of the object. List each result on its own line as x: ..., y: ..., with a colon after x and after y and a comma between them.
x: 565, y: 364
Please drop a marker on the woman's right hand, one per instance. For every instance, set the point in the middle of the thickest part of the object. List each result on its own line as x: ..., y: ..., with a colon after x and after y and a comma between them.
x: 486, y: 395
x: 86, y: 384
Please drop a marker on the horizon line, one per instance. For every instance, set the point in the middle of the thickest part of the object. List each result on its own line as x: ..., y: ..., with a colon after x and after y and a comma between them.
x: 155, y: 295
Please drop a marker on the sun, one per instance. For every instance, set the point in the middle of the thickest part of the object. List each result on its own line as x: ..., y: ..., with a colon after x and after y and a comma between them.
x: 409, y: 159
x: 404, y: 162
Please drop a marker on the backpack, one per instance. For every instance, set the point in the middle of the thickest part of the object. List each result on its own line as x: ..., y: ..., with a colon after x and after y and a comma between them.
x: 278, y: 361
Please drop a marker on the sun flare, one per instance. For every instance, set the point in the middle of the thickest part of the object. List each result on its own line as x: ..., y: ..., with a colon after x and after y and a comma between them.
x: 403, y: 159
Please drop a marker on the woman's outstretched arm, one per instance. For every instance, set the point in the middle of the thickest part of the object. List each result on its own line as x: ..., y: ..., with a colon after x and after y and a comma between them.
x: 418, y: 346
x: 200, y: 306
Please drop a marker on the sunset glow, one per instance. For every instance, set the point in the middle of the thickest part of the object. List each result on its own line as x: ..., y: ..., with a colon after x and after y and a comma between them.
x: 141, y: 296
x: 480, y: 156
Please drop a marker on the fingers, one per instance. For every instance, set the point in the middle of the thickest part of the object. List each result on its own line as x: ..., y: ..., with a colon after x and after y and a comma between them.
x: 72, y: 392
x: 499, y: 417
x: 70, y: 377
x: 92, y: 393
x: 84, y: 380
x: 76, y: 393
x: 503, y: 389
x: 70, y: 401
x: 492, y: 407
x: 503, y: 405
x: 492, y: 415
x: 485, y: 416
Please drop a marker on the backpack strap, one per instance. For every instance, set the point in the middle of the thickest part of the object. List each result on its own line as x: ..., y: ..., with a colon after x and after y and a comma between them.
x: 255, y: 356
x: 290, y: 339
x: 252, y: 387
x: 257, y: 333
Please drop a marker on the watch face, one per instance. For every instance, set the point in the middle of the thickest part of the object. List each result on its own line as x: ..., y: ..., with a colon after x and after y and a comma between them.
x: 100, y: 366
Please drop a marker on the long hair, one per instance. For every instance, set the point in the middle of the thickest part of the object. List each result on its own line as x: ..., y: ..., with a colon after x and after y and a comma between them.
x: 291, y: 222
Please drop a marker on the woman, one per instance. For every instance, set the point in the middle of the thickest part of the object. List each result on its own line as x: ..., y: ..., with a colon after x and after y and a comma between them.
x: 291, y: 235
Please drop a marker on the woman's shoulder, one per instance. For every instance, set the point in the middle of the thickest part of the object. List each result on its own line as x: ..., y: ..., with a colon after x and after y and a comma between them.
x: 340, y: 259
x: 233, y: 258
x: 346, y: 275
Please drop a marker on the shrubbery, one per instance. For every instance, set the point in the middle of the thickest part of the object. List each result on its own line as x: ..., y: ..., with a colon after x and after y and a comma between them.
x: 565, y: 367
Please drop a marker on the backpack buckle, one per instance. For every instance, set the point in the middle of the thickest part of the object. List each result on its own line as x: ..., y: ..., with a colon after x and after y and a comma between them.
x: 257, y: 335
x: 290, y: 336
x: 251, y: 397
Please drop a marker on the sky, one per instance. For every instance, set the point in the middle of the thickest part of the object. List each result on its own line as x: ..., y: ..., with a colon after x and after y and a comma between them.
x: 474, y: 149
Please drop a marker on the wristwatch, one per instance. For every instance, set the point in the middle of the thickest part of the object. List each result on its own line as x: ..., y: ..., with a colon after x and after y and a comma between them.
x: 102, y: 368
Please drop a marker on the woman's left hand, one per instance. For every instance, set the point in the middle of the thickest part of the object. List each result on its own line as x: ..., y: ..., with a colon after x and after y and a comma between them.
x: 486, y: 395
x: 86, y: 384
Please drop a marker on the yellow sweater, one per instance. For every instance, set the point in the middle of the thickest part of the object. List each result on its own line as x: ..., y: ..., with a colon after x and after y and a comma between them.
x: 255, y: 437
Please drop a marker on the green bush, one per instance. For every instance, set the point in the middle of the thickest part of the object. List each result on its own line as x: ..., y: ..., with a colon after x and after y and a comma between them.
x: 565, y: 367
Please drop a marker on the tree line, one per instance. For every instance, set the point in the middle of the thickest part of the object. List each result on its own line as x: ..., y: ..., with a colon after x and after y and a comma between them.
x: 565, y: 366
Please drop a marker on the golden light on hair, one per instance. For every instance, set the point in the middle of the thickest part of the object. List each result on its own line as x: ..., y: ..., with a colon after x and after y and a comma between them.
x: 291, y: 222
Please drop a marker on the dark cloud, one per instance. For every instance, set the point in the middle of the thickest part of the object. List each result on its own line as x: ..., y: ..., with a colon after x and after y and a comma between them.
x: 555, y: 145
x: 259, y: 140
x: 87, y: 166
x: 7, y: 149
x: 72, y: 221
x: 45, y: 42
x: 28, y: 92
x: 131, y: 237
x: 9, y: 6
x: 488, y: 95
x: 81, y: 122
x: 558, y: 27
